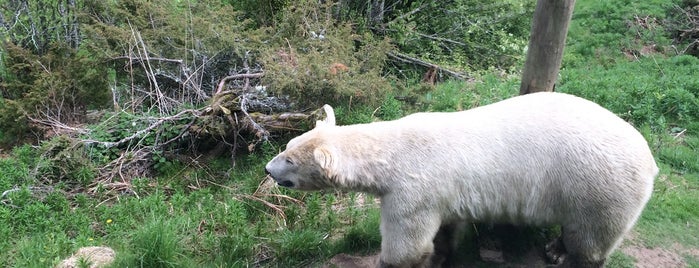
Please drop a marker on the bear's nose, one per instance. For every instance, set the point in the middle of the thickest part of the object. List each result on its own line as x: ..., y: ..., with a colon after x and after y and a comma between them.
x: 267, y: 171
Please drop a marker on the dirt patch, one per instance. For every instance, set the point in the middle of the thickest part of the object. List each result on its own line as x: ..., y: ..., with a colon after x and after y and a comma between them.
x: 694, y: 252
x: 645, y: 257
x: 654, y: 257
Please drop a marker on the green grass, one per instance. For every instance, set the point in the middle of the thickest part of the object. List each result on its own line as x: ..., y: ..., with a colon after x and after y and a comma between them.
x: 620, y: 260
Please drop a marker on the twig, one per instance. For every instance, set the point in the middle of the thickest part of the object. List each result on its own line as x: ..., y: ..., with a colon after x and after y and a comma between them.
x: 32, y: 189
x: 9, y: 191
x: 56, y: 124
x: 679, y: 134
x: 436, y: 38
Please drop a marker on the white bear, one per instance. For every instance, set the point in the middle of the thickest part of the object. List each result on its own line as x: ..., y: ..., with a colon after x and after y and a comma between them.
x: 540, y: 159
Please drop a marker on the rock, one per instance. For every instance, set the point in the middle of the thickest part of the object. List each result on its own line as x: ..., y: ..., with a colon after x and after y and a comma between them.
x: 347, y: 261
x: 95, y: 256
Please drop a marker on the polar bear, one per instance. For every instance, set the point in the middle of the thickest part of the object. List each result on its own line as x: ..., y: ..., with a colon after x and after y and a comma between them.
x: 540, y: 159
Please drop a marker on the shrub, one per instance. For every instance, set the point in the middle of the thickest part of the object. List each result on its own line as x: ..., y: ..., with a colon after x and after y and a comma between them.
x: 59, y: 85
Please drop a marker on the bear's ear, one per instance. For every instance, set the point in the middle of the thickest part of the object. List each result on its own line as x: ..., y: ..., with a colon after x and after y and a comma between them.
x: 329, y: 117
x: 323, y: 155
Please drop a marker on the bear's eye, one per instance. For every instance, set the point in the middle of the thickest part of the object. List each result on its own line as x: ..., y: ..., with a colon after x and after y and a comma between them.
x: 289, y: 161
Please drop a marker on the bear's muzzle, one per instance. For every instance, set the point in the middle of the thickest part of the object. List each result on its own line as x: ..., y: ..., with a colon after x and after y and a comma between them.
x: 283, y: 183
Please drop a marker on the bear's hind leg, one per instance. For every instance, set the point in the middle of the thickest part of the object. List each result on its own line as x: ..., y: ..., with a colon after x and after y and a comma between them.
x: 446, y: 244
x: 556, y: 251
x: 407, y: 240
x: 588, y: 244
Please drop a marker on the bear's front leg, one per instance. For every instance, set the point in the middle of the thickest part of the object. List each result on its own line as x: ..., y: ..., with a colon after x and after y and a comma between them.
x: 406, y: 238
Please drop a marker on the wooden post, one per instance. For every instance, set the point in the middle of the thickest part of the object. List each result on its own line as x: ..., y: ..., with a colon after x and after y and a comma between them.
x: 546, y: 43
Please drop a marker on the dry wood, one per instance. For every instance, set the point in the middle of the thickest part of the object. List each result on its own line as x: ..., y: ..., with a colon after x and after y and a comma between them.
x: 545, y: 53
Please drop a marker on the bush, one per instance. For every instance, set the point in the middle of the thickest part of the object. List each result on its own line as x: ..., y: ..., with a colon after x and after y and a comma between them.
x: 59, y: 85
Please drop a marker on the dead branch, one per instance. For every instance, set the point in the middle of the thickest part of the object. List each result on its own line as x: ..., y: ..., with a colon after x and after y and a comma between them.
x: 410, y: 13
x: 223, y: 81
x: 440, y: 39
x: 138, y: 59
x: 261, y: 133
x: 412, y: 60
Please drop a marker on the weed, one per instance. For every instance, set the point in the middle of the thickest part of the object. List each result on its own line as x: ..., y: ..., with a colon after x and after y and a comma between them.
x: 156, y: 244
x: 235, y: 250
x: 294, y: 248
x: 361, y: 237
x: 390, y: 109
x: 354, y: 115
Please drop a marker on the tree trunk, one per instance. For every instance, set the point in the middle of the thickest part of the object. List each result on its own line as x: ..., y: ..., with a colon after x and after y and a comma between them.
x: 376, y: 11
x: 548, y: 35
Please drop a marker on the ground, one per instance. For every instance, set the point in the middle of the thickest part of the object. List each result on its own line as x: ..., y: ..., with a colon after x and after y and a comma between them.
x: 644, y: 257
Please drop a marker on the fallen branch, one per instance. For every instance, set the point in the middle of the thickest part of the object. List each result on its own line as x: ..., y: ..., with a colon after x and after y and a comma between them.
x: 57, y: 125
x: 141, y: 132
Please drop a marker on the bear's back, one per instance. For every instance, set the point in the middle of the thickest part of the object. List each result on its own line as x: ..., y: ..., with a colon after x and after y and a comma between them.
x: 544, y: 143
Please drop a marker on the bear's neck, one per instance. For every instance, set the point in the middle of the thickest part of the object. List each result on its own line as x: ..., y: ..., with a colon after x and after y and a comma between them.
x: 368, y: 156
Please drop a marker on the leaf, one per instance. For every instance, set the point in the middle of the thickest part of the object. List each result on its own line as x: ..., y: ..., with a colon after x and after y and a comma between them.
x: 224, y: 109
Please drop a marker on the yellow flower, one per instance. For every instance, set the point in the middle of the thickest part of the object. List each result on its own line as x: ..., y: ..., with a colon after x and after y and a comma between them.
x: 109, y: 221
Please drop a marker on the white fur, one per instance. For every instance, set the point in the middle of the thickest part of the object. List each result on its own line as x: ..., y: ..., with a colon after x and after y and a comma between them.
x: 538, y: 159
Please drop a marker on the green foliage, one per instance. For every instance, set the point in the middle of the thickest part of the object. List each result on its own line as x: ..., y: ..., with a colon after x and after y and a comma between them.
x: 657, y: 91
x: 671, y: 213
x: 37, y: 25
x: 315, y: 60
x: 470, y: 34
x: 193, y: 44
x: 60, y: 85
x: 390, y: 109
x: 64, y: 160
x: 354, y: 115
x: 681, y: 157
x: 14, y: 170
x: 629, y: 27
x: 263, y: 12
x: 295, y: 248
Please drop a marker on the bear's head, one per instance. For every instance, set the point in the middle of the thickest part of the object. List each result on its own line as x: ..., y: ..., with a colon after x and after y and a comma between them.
x: 307, y: 163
